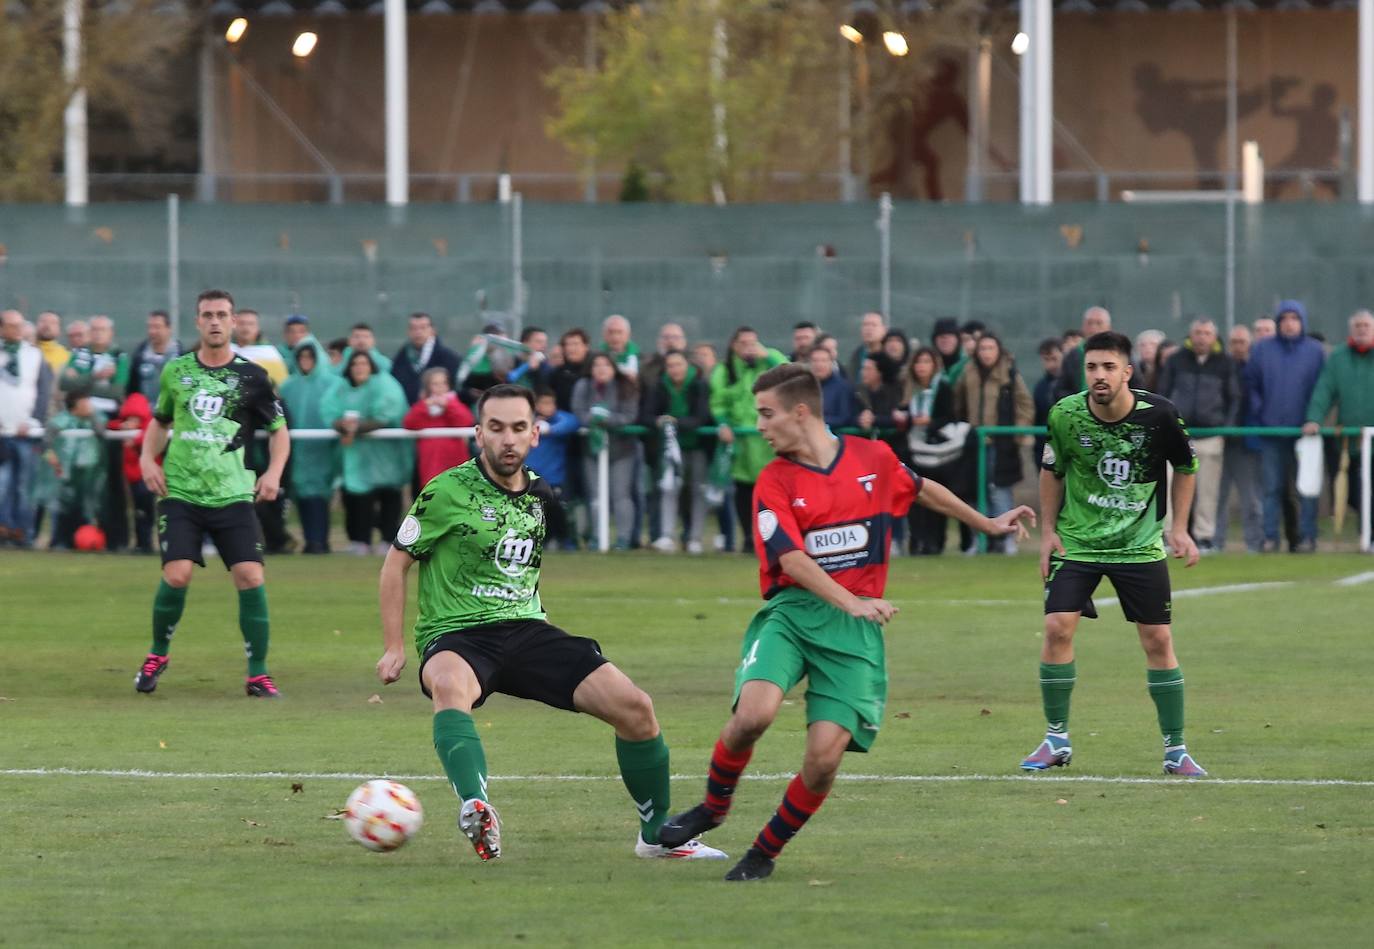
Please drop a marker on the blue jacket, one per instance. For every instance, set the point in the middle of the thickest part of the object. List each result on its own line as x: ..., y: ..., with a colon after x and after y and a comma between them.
x: 1282, y: 373
x: 837, y: 401
x: 549, y: 458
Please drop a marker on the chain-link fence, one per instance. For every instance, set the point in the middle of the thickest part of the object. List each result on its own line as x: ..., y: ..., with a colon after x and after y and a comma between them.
x: 1026, y: 272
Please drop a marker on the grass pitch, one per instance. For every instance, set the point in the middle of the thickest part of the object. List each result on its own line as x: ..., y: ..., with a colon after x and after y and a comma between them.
x: 934, y: 840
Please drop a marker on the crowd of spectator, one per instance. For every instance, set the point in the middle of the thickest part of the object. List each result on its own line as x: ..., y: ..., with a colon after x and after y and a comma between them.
x: 674, y: 422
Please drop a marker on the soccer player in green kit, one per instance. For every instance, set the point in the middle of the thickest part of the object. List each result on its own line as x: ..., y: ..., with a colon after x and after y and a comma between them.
x: 212, y: 401
x: 1102, y: 505
x: 478, y: 532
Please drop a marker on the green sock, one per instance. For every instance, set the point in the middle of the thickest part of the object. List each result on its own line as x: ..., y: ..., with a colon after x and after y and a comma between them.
x: 1056, y: 687
x: 167, y: 607
x: 644, y: 769
x: 460, y: 752
x: 1166, y: 688
x: 254, y: 626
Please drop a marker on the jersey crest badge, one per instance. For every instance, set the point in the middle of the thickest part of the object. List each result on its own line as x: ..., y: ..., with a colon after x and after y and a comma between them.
x: 867, y: 481
x: 1138, y: 439
x: 488, y: 513
x: 768, y: 524
x: 1085, y: 440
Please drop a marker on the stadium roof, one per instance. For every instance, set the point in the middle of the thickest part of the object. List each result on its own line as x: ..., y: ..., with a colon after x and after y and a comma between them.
x: 227, y: 8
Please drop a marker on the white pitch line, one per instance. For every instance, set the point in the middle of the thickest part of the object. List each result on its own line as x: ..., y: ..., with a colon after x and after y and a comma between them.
x: 1356, y: 580
x: 1208, y: 591
x: 782, y: 776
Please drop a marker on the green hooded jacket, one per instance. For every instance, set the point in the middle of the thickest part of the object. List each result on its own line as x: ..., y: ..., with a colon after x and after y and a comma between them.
x: 732, y: 403
x: 371, y: 463
x: 314, y: 464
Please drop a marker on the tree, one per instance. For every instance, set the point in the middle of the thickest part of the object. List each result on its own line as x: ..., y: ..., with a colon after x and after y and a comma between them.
x: 125, y: 50
x: 708, y: 96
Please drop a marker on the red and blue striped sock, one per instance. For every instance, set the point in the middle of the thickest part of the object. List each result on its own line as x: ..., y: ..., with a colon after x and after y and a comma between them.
x: 797, y: 806
x: 726, y: 768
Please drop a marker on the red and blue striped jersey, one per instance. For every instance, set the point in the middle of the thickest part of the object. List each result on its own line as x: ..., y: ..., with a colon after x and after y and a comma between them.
x: 841, y: 516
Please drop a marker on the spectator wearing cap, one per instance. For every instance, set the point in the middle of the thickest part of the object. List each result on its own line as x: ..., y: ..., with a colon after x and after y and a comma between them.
x: 895, y: 356
x: 422, y: 351
x: 1282, y: 375
x: 295, y: 330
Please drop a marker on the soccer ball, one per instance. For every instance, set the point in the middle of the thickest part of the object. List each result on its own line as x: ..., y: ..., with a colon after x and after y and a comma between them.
x: 382, y: 815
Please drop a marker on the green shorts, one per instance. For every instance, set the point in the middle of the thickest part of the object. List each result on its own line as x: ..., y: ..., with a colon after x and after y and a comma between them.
x: 797, y: 634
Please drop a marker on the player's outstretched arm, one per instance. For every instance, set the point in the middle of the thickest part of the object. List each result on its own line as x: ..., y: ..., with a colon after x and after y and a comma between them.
x: 392, y: 599
x: 154, y: 441
x: 939, y: 498
x: 800, y: 567
x: 1181, y: 503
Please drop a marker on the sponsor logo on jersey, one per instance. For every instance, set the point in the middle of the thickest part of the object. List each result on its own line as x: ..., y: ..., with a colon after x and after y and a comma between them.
x: 1115, y: 472
x: 409, y: 531
x: 768, y: 524
x: 509, y: 594
x: 1115, y: 503
x: 187, y: 380
x: 513, y: 553
x: 206, y: 407
x: 799, y: 502
x: 841, y: 539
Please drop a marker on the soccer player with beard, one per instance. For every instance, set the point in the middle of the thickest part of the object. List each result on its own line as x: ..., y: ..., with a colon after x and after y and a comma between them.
x: 823, y: 516
x: 1102, y: 501
x: 209, y: 404
x: 478, y: 532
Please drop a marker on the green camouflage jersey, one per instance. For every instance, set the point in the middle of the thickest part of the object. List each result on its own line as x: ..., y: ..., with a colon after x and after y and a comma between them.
x: 479, y: 547
x: 213, y: 411
x: 1114, y: 476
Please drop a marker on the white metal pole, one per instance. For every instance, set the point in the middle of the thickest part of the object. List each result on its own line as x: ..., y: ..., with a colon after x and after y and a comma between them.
x: 1042, y: 46
x: 1027, y: 106
x: 1231, y: 151
x: 1366, y: 489
x: 603, y: 496
x: 1366, y: 69
x: 885, y: 268
x: 174, y: 263
x: 74, y: 164
x: 397, y: 99
x: 846, y: 141
x: 517, y: 264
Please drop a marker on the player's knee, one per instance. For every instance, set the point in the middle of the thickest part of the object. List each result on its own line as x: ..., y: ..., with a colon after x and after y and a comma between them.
x: 819, y: 768
x: 637, y: 719
x: 748, y: 725
x: 1058, y: 629
x: 452, y: 691
x: 1156, y: 639
x: 177, y: 574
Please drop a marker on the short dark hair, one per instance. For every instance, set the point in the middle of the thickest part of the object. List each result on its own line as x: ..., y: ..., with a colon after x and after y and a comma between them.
x: 793, y: 384
x: 72, y: 398
x: 1049, y: 345
x: 419, y: 315
x: 505, y: 391
x: 576, y: 332
x: 360, y: 326
x: 973, y: 326
x: 213, y: 295
x: 807, y: 325
x: 544, y: 392
x: 248, y: 310
x: 336, y: 345
x: 160, y: 314
x: 529, y: 331
x: 1110, y: 342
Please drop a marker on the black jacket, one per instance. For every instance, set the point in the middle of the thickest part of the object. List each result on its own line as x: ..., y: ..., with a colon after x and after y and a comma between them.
x: 409, y: 377
x: 1207, y: 394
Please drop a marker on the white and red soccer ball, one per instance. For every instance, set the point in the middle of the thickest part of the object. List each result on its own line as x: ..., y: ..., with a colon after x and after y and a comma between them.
x: 382, y: 815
